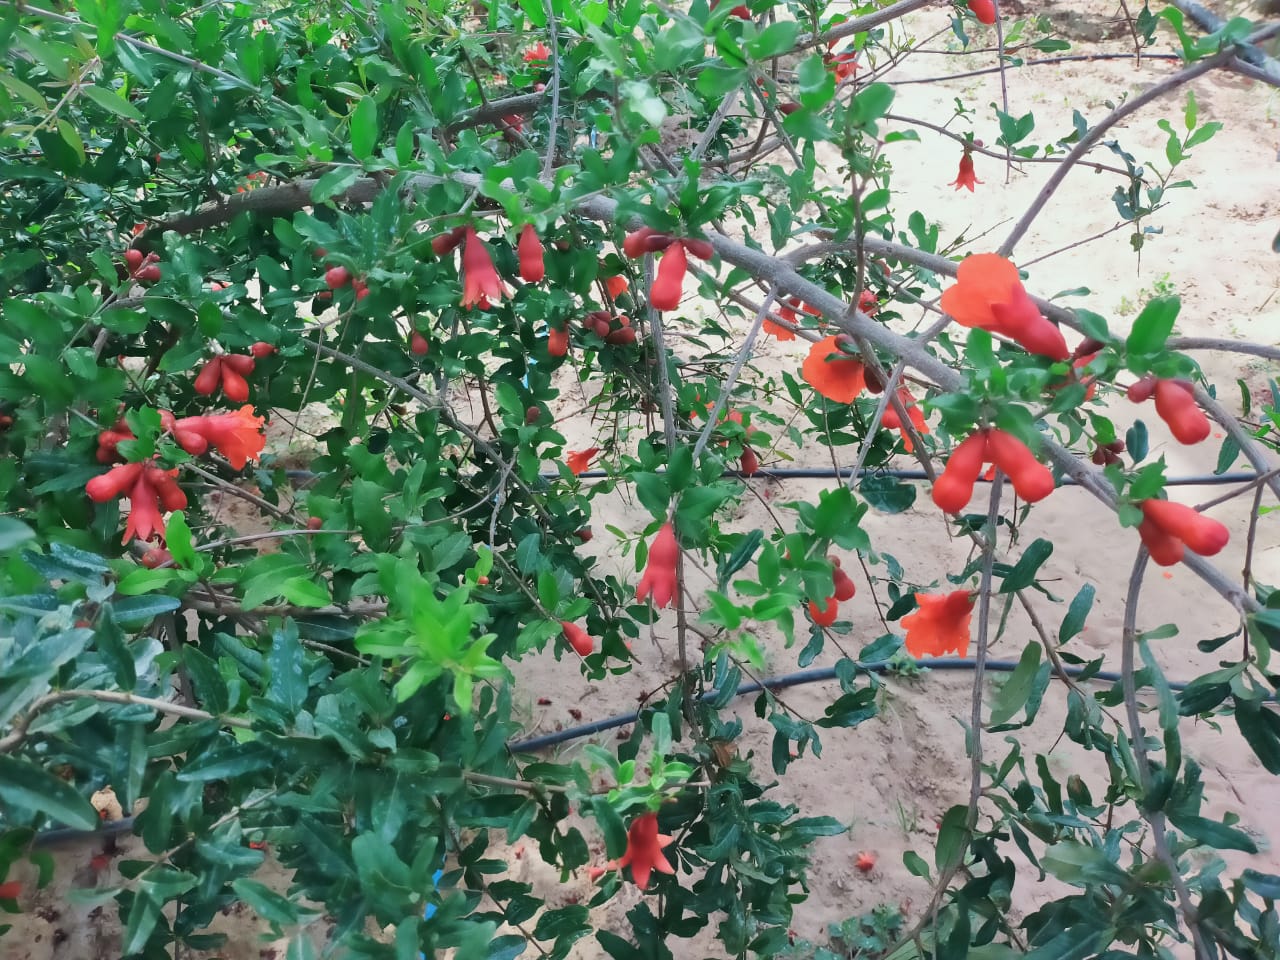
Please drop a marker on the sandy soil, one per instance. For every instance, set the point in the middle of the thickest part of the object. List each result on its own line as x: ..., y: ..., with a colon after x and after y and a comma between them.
x: 891, y: 778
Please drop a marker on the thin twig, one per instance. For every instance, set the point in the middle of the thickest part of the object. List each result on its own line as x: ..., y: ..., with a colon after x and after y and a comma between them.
x: 21, y: 725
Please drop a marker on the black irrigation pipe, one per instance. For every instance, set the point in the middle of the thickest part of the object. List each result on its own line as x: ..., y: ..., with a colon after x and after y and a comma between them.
x: 805, y: 473
x: 48, y: 838
x: 797, y: 679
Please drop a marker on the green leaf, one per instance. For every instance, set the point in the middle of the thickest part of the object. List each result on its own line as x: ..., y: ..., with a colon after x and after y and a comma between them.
x: 615, y: 833
x: 177, y: 537
x: 1153, y: 326
x: 1261, y: 730
x: 139, y: 611
x: 887, y: 494
x: 653, y: 492
x: 334, y: 182
x: 718, y: 80
x: 1227, y: 455
x: 816, y: 83
x: 364, y: 128
x: 871, y: 103
x: 277, y: 910
x: 953, y: 838
x: 144, y: 913
x: 142, y: 581
x: 228, y: 763
x: 1202, y: 135
x: 777, y: 39
x: 1013, y: 695
x: 12, y: 533
x: 112, y: 102
x: 370, y: 513
x: 287, y: 683
x: 1077, y: 613
x: 1265, y: 885
x: 915, y: 864
x: 1212, y: 833
x: 26, y: 785
x: 1024, y: 571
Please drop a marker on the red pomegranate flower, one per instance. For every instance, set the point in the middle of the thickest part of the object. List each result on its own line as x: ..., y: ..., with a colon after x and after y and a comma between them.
x: 832, y: 372
x: 578, y: 638
x: 538, y: 53
x: 988, y: 294
x: 579, y: 461
x: 844, y: 64
x: 824, y: 612
x: 237, y: 436
x: 984, y: 10
x: 954, y: 487
x: 1168, y: 527
x: 615, y: 286
x: 966, y: 177
x: 668, y: 285
x: 529, y: 248
x: 940, y: 625
x: 481, y: 284
x: 894, y: 422
x: 150, y: 491
x: 644, y: 850
x: 659, y: 580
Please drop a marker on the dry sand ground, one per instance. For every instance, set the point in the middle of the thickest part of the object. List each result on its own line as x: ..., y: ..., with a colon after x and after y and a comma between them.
x: 891, y: 778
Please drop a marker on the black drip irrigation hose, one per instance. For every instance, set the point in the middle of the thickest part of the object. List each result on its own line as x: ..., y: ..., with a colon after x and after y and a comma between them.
x: 804, y: 473
x: 797, y: 679
x: 48, y: 838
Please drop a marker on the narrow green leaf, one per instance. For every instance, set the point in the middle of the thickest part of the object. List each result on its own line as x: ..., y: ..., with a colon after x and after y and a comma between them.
x: 1013, y: 695
x: 1024, y: 571
x: 24, y: 784
x: 364, y: 128
x: 1152, y: 327
x: 111, y: 101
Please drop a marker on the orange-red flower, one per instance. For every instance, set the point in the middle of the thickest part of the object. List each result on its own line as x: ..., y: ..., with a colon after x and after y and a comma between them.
x: 529, y: 248
x: 868, y: 302
x: 844, y: 64
x: 109, y: 439
x: 149, y: 489
x: 659, y: 580
x: 940, y: 625
x: 538, y: 53
x: 988, y: 294
x: 481, y: 284
x: 1167, y: 527
x: 230, y: 371
x: 778, y: 330
x: 966, y: 177
x: 954, y: 487
x: 579, y: 461
x: 615, y: 286
x: 832, y: 372
x: 578, y: 638
x: 824, y: 613
x: 237, y: 436
x: 787, y: 310
x: 894, y: 422
x: 668, y: 285
x: 644, y: 850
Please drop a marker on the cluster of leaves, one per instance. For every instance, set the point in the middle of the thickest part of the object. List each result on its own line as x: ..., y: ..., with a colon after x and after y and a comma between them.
x: 349, y: 696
